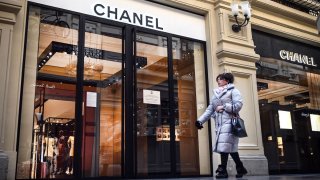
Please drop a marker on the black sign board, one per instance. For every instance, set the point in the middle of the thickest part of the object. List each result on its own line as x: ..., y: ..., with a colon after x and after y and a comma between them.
x: 272, y: 46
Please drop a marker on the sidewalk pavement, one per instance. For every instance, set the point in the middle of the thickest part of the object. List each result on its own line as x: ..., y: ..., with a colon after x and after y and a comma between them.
x: 270, y: 177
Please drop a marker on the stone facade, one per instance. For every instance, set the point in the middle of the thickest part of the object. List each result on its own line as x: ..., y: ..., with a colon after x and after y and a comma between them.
x: 12, y: 24
x: 227, y: 51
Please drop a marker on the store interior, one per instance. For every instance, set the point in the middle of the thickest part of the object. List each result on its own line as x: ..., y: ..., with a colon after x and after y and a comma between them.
x: 102, y: 114
x: 289, y: 102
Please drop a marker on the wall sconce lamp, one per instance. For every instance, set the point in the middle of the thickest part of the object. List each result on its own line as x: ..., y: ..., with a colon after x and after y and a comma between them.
x: 246, y: 11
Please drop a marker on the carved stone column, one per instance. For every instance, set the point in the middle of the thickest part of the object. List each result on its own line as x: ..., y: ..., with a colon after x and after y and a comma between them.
x: 12, y: 23
x: 235, y: 53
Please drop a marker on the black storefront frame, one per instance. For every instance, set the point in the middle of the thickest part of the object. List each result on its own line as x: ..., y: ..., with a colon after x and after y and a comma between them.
x: 171, y: 100
x: 129, y: 156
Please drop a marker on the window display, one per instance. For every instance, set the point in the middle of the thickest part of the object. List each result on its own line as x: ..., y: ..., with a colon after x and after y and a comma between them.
x: 58, y: 146
x: 288, y: 77
x: 88, y: 85
x: 48, y: 113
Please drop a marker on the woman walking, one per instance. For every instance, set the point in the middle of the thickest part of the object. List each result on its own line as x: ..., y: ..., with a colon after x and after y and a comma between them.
x: 225, y: 102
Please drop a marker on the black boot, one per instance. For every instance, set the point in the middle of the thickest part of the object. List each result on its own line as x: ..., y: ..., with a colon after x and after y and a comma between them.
x: 221, y: 172
x: 241, y: 170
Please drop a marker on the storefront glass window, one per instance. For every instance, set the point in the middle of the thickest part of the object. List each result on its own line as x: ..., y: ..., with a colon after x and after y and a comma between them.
x: 47, y: 126
x: 102, y: 113
x: 58, y: 69
x: 192, y: 148
x: 288, y: 82
x: 152, y: 93
x: 289, y: 96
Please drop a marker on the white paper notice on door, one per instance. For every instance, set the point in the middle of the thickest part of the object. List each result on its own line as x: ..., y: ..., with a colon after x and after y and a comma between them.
x: 91, y: 99
x: 151, y: 97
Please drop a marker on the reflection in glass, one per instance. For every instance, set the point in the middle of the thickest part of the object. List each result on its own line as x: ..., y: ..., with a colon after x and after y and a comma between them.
x: 46, y: 145
x: 189, y: 88
x: 293, y: 92
x: 153, y: 153
x: 102, y: 100
x: 288, y: 83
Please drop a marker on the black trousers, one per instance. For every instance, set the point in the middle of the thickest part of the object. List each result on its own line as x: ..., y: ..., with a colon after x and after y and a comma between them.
x: 235, y: 156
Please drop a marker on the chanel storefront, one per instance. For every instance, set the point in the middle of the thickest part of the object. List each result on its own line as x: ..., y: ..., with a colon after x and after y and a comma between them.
x: 112, y: 88
x: 112, y: 91
x: 288, y: 80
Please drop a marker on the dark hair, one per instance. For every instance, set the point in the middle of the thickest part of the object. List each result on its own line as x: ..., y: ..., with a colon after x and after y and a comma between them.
x: 226, y: 76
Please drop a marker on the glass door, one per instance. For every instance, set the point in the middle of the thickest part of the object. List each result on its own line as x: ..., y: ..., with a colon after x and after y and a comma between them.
x: 188, y: 79
x: 152, y: 105
x: 168, y: 90
x: 102, y: 100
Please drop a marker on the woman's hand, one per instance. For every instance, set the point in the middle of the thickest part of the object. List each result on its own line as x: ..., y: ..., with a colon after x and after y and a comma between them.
x: 219, y: 109
x: 199, y: 124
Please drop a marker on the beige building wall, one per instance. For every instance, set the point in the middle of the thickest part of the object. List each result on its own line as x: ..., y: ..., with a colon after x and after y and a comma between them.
x: 12, y: 25
x: 227, y: 51
x: 284, y: 21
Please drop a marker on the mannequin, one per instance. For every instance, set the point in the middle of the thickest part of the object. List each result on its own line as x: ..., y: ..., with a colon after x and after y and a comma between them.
x: 51, y: 153
x: 55, y: 155
x: 62, y: 153
x: 71, y: 153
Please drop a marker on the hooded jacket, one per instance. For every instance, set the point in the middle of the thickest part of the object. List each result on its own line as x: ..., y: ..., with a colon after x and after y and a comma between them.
x: 231, y: 99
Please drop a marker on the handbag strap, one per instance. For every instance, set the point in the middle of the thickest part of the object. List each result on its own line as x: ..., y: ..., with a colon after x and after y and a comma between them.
x: 231, y: 102
x: 235, y: 114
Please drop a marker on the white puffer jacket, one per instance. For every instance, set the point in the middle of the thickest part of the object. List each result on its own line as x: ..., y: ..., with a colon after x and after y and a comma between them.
x: 225, y: 141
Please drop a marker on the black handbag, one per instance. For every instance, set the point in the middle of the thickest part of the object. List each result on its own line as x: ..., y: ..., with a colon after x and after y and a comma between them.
x: 238, y: 128
x: 237, y: 125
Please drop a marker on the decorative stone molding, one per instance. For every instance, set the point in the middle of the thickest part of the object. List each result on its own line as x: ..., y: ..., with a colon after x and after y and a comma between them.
x: 284, y: 21
x: 233, y: 48
x: 12, y: 14
x: 9, y: 10
x: 280, y: 9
